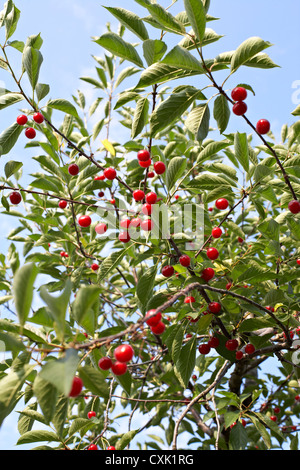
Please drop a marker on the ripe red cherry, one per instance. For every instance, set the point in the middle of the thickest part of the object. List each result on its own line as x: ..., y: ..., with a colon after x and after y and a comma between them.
x: 105, y: 363
x: 143, y: 155
x: 159, y: 168
x: 263, y: 126
x: 204, y: 348
x: 124, y: 353
x: 216, y: 232
x: 154, y: 320
x: 228, y: 285
x: 189, y: 299
x: 239, y: 93
x: 214, y: 307
x: 63, y: 254
x: 147, y: 209
x: 212, y: 253
x: 99, y: 178
x: 111, y: 448
x: 15, y: 198
x: 112, y: 201
x: 239, y: 108
x: 136, y: 222
x: 73, y: 169
x: 95, y: 267
x: 84, y: 221
x: 298, y: 261
x: 93, y: 447
x: 145, y: 164
x: 277, y: 410
x: 207, y: 274
x: 151, y: 174
x: 147, y: 225
x: 151, y: 198
x: 232, y: 344
x: 221, y: 203
x: 138, y: 195
x: 249, y: 349
x: 271, y: 309
x: 239, y: 355
x: 273, y: 418
x: 185, y: 261
x: 30, y: 133
x: 22, y: 119
x: 38, y: 118
x: 167, y: 271
x: 62, y: 204
x: 101, y: 193
x: 294, y: 207
x: 101, y: 228
x: 213, y: 342
x: 110, y: 173
x: 159, y: 328
x: 240, y: 240
x: 124, y: 237
x: 125, y: 223
x: 76, y: 387
x: 119, y: 368
x: 91, y: 414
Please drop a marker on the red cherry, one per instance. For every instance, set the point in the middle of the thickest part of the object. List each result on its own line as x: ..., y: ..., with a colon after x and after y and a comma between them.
x: 99, y: 178
x: 212, y: 253
x: 239, y: 355
x: 167, y: 271
x: 22, y: 119
x: 193, y: 320
x: 138, y: 195
x: 84, y: 221
x: 110, y: 173
x: 111, y: 448
x: 101, y: 193
x: 204, y: 348
x: 263, y: 126
x: 298, y: 261
x: 249, y: 349
x: 240, y: 240
x: 101, y: 228
x: 147, y: 225
x: 228, y: 285
x: 73, y: 169
x: 185, y: 261
x: 271, y: 309
x: 91, y: 414
x: 105, y: 363
x: 214, y: 307
x: 207, y: 274
x: 154, y: 320
x: 15, y: 198
x: 159, y: 168
x: 62, y: 204
x: 76, y: 387
x: 30, y: 133
x: 239, y: 94
x: 277, y: 410
x: 119, y: 368
x: 147, y: 209
x: 232, y: 344
x: 145, y: 164
x: 151, y: 198
x: 273, y: 418
x: 159, y: 328
x: 213, y: 342
x: 93, y: 447
x: 150, y: 174
x: 38, y: 118
x: 124, y: 237
x: 189, y: 300
x: 294, y: 207
x: 95, y: 267
x: 112, y: 201
x: 143, y: 155
x: 124, y: 353
x: 221, y: 203
x: 125, y: 223
x: 216, y: 232
x: 239, y: 108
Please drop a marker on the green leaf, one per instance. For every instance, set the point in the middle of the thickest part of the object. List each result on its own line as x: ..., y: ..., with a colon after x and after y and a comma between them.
x: 175, y: 170
x: 23, y: 290
x: 11, y: 21
x: 238, y: 437
x: 262, y: 430
x: 186, y: 362
x: 57, y: 306
x: 153, y: 50
x: 117, y: 46
x: 60, y: 415
x: 160, y: 73
x: 131, y: 21
x: 247, y: 50
x: 145, y: 285
x: 172, y: 108
x: 270, y: 229
x: 168, y: 21
x: 221, y: 112
x: 9, y: 137
x: 181, y: 58
x: 12, y: 167
x: 63, y: 105
x: 94, y: 381
x: 42, y: 90
x: 211, y: 149
x: 111, y: 262
x: 38, y: 436
x: 140, y: 117
x: 197, y: 17
x: 46, y: 395
x: 60, y: 372
x: 86, y: 297
x: 197, y: 121
x: 125, y: 439
x: 241, y: 150
x: 9, y: 99
x: 32, y: 61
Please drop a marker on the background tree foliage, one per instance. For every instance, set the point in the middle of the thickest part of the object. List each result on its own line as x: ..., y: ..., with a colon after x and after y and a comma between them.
x: 86, y: 313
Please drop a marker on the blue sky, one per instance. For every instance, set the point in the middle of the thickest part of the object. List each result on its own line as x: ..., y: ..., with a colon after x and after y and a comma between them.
x: 67, y: 26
